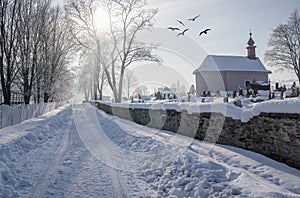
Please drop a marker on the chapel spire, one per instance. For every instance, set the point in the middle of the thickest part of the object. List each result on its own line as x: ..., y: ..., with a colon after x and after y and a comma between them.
x: 251, y: 48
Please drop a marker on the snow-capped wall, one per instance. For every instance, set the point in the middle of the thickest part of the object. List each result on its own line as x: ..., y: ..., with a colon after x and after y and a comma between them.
x: 11, y: 115
x: 227, y: 109
x: 270, y: 128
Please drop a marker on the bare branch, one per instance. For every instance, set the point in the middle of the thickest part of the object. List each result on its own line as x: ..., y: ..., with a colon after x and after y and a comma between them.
x: 284, y: 44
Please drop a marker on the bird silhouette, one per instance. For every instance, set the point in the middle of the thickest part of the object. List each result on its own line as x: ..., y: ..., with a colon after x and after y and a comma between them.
x: 180, y: 22
x: 182, y: 33
x: 193, y: 19
x: 173, y: 28
x: 204, y: 31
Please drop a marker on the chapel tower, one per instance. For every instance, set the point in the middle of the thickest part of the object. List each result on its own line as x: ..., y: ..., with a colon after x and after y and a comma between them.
x: 251, y: 48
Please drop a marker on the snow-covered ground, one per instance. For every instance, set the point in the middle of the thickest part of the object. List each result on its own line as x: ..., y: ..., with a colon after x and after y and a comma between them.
x: 81, y: 152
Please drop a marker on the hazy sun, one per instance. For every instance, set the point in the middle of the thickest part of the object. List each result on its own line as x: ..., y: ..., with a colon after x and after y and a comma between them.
x: 101, y: 19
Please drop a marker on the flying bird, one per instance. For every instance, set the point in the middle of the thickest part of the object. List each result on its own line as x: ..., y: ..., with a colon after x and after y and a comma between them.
x: 180, y: 22
x: 204, y: 32
x: 173, y: 28
x: 182, y: 33
x: 194, y: 19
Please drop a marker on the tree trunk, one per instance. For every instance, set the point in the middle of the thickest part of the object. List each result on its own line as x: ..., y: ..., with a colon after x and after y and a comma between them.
x: 7, y: 96
x: 95, y: 92
x: 27, y: 99
x: 46, y: 97
x: 86, y: 95
x: 100, y: 87
x: 128, y: 90
x: 120, y: 86
x: 6, y: 91
x: 115, y: 92
x: 38, y: 91
x: 26, y: 92
x: 6, y: 86
x: 100, y: 93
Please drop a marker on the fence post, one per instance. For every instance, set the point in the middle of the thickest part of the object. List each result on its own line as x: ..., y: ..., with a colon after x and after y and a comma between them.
x: 6, y: 116
x: 16, y: 114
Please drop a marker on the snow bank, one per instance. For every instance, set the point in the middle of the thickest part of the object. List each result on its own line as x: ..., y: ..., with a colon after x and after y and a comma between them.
x: 26, y: 149
x: 200, y: 169
x: 182, y: 167
x: 291, y: 106
x: 244, y: 114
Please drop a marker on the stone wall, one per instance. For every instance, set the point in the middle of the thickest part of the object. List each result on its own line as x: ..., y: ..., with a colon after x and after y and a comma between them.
x: 274, y: 135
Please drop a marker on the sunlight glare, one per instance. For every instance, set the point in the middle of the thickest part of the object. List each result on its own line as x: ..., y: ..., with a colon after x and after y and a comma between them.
x: 102, y: 19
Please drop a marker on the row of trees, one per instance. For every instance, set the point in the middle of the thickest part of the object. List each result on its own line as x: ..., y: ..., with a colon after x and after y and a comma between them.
x: 36, y: 46
x: 108, y: 52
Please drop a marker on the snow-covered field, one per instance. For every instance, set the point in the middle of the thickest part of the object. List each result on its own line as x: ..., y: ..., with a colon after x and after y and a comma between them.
x: 81, y: 152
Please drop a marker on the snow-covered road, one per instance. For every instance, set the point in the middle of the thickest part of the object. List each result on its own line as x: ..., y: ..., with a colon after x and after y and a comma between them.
x: 79, y: 151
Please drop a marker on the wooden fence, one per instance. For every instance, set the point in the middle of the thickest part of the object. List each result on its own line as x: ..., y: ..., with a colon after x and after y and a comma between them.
x: 11, y: 115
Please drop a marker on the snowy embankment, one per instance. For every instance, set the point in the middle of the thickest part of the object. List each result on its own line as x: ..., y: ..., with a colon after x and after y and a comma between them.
x: 49, y: 157
x: 244, y: 114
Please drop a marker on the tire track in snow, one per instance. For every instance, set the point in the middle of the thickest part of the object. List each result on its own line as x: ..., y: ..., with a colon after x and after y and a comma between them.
x: 86, y: 120
x: 47, y: 176
x: 117, y: 184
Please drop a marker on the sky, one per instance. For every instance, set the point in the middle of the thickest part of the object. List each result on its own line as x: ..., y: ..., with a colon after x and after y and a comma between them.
x: 230, y: 22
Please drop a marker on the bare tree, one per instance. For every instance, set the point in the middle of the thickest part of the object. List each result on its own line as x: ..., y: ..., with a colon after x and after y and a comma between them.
x: 117, y: 48
x: 88, y: 37
x: 35, y: 49
x: 127, y: 18
x: 83, y: 16
x: 129, y: 81
x: 9, y: 23
x: 59, y: 51
x: 92, y: 77
x: 45, y: 43
x: 32, y: 18
x: 180, y: 88
x: 285, y: 45
x: 141, y: 90
x: 85, y: 82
